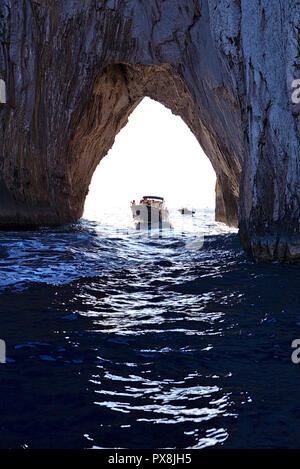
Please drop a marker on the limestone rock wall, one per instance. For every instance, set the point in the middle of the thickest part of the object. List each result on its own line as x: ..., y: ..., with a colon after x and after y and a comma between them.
x: 76, y: 69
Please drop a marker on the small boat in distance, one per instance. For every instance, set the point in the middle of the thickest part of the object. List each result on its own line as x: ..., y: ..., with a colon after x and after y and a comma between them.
x: 186, y: 211
x: 150, y: 213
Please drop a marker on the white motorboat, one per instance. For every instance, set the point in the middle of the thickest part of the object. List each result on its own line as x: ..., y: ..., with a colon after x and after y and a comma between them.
x: 150, y: 213
x: 186, y: 211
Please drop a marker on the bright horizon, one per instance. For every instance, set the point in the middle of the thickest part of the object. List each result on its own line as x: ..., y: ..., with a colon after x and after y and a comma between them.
x: 154, y: 154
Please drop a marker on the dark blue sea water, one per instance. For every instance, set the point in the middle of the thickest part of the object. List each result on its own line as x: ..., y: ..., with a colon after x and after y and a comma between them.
x: 119, y: 340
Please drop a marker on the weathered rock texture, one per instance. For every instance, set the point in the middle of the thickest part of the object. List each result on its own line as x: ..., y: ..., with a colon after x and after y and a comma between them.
x: 76, y: 69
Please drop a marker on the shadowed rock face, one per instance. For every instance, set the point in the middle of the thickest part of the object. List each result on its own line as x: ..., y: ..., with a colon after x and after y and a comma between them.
x: 74, y: 72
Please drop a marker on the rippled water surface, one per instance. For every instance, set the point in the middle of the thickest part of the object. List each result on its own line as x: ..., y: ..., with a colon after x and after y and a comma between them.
x: 117, y: 339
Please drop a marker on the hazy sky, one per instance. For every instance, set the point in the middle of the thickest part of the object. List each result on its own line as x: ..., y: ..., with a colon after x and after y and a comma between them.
x: 154, y: 154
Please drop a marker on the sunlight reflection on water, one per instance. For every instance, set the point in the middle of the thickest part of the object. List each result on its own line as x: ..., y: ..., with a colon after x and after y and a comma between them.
x: 135, y: 342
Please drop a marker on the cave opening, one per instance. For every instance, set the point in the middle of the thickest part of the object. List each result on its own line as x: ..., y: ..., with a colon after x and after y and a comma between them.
x: 116, y: 92
x: 156, y: 153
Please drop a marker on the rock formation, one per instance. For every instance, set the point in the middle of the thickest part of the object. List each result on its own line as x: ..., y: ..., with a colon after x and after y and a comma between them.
x: 75, y: 70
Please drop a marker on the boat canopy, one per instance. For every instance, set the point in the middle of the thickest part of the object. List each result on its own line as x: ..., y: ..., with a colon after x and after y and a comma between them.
x: 153, y: 197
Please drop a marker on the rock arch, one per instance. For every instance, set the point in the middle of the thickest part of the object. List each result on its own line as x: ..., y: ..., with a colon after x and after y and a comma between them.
x: 75, y: 70
x: 117, y: 91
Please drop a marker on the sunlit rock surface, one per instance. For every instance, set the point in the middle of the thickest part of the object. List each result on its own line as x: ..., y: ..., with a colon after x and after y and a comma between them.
x: 74, y: 72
